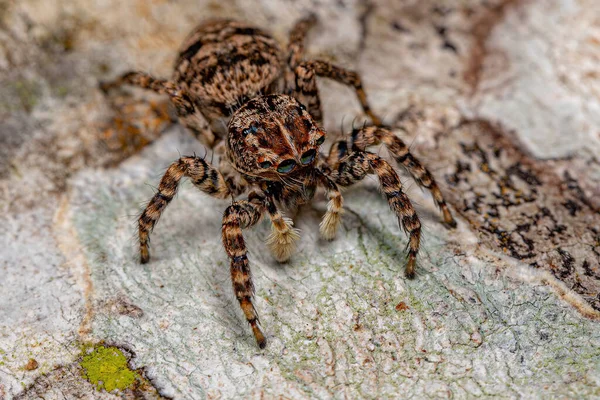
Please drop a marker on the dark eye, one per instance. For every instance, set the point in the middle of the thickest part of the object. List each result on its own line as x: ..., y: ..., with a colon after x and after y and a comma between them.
x: 251, y: 130
x: 286, y: 166
x: 302, y: 107
x: 265, y: 164
x: 308, y: 156
x: 320, y: 140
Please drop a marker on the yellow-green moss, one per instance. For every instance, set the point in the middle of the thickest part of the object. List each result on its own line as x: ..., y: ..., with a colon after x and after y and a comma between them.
x: 106, y: 368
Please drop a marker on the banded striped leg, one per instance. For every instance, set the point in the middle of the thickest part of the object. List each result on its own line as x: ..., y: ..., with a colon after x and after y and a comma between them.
x: 296, y: 46
x: 139, y: 79
x: 373, y: 135
x: 189, y: 116
x: 332, y: 218
x: 283, y: 237
x: 355, y: 166
x: 203, y: 176
x: 241, y: 215
x: 306, y: 86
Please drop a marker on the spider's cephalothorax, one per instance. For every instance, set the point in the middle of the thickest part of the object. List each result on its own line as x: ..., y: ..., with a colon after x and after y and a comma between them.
x: 273, y: 142
x: 234, y: 76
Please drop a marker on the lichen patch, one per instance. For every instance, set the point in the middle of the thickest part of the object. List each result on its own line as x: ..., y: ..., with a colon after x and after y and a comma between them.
x: 106, y: 368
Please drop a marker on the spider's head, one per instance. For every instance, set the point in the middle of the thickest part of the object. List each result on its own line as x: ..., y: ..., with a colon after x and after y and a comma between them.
x: 272, y: 137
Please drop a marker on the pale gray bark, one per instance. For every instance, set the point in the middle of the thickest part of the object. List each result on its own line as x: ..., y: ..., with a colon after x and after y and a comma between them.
x: 518, y: 79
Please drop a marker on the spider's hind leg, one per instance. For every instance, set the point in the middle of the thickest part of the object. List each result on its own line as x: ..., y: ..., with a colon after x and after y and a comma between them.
x: 307, y: 93
x: 187, y: 112
x: 139, y: 79
x: 296, y: 46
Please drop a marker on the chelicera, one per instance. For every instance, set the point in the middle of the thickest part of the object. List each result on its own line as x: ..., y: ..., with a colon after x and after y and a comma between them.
x: 264, y: 113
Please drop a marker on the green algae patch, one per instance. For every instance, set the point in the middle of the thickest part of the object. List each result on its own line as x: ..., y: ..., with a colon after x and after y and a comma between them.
x: 106, y: 368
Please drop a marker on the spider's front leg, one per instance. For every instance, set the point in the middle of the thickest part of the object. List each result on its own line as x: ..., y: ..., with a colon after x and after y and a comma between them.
x: 355, y: 166
x: 204, y: 176
x: 307, y: 93
x: 374, y: 135
x: 241, y: 215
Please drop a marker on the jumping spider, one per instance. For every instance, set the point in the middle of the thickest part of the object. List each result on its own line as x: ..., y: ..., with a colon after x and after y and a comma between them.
x: 231, y: 73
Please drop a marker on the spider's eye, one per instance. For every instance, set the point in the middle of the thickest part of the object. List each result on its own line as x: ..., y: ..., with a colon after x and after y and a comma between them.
x: 302, y: 107
x: 251, y: 130
x: 265, y: 164
x: 286, y: 166
x: 308, y: 156
x: 320, y: 140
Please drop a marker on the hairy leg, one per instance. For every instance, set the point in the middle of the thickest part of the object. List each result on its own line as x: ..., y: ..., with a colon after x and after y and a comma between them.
x: 331, y: 220
x: 188, y: 114
x: 203, y: 176
x: 374, y: 135
x: 241, y: 215
x: 307, y: 93
x: 283, y: 237
x: 296, y: 46
x: 355, y: 166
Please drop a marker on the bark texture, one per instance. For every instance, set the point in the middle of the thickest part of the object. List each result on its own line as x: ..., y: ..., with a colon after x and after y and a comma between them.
x: 500, y: 99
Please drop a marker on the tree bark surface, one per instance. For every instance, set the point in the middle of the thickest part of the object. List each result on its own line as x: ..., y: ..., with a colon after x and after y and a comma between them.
x: 500, y: 99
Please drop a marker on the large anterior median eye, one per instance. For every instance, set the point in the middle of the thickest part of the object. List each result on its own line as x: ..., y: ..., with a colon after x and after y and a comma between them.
x: 308, y: 156
x: 286, y: 166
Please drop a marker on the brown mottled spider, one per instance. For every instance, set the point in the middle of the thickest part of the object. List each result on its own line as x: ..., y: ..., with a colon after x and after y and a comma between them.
x: 229, y: 72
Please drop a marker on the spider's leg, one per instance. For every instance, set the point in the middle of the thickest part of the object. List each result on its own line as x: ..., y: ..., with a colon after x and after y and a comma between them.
x: 187, y: 112
x: 139, y: 79
x: 373, y: 135
x: 355, y: 166
x: 283, y: 237
x: 332, y: 218
x: 338, y: 151
x: 306, y: 91
x: 241, y: 215
x: 296, y: 46
x: 203, y: 176
x: 181, y: 100
x: 306, y: 87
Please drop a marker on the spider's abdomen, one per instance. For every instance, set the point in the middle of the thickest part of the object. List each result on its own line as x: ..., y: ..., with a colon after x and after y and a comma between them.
x: 225, y: 63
